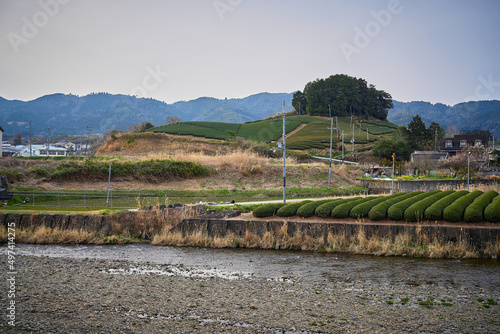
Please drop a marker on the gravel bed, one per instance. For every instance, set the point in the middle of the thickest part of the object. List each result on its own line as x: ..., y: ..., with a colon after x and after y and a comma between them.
x: 60, y: 295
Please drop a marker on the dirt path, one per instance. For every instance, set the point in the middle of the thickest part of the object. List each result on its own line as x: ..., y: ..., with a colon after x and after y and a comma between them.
x: 294, y: 131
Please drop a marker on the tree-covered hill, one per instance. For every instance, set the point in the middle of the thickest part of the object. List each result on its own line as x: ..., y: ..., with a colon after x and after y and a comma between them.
x: 345, y: 95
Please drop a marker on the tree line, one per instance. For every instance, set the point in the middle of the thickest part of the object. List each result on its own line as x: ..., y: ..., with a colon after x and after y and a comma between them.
x: 345, y: 95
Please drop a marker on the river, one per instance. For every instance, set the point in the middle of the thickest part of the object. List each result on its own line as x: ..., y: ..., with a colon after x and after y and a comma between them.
x: 302, y: 266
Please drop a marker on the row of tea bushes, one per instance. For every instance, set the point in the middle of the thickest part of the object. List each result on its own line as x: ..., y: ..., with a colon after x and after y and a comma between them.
x: 361, y: 210
x: 474, y: 212
x: 455, y: 211
x: 379, y: 211
x: 435, y: 211
x: 397, y: 211
x: 415, y: 212
x: 449, y: 205
x: 492, y: 211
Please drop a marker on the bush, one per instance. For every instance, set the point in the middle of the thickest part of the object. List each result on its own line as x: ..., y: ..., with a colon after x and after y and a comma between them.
x: 474, y: 212
x: 290, y: 209
x: 435, y: 211
x: 379, y: 211
x: 361, y: 210
x: 492, y: 211
x: 455, y: 211
x: 415, y: 212
x: 396, y: 211
x: 307, y: 210
x: 267, y: 210
x: 325, y: 210
x: 343, y: 210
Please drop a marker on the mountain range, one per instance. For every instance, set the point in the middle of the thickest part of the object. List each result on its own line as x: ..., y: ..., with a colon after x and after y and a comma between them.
x: 62, y: 114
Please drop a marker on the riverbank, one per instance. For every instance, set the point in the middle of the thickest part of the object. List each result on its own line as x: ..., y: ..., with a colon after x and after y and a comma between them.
x: 88, y: 295
x: 185, y: 226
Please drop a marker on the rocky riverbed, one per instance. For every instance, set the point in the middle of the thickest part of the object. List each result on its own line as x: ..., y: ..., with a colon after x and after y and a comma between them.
x: 62, y: 295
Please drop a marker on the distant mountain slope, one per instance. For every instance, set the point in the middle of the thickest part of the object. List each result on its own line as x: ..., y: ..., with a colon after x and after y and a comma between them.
x: 71, y: 114
x: 484, y: 115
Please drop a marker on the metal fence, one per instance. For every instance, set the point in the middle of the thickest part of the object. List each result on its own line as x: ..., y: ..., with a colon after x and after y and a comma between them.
x: 99, y: 199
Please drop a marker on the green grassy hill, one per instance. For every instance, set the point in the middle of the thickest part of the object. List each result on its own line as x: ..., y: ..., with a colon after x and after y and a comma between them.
x: 314, y: 134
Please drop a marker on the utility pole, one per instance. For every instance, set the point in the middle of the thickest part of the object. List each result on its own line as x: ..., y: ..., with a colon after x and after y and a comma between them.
x: 89, y: 147
x: 435, y: 140
x: 352, y: 141
x: 109, y: 181
x: 337, y: 126
x: 342, y: 147
x: 48, y: 138
x: 392, y: 187
x: 284, y: 156
x: 468, y: 169
x: 330, y: 161
x: 299, y: 108
x: 31, y: 151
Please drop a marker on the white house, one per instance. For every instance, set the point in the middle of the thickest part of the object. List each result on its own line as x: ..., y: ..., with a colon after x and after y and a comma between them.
x: 41, y: 151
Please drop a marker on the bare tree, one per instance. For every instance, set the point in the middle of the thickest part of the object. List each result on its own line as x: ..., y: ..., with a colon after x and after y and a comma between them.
x: 173, y: 120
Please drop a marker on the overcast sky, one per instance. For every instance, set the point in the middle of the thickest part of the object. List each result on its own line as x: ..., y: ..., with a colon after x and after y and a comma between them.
x: 444, y: 51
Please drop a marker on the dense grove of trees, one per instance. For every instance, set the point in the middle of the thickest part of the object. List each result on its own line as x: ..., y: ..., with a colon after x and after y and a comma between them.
x: 346, y: 95
x: 415, y: 137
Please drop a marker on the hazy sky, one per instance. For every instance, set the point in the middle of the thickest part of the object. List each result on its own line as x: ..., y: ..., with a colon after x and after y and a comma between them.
x: 440, y: 51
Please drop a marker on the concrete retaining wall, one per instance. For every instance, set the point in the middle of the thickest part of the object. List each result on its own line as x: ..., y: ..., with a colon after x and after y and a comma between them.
x: 210, y: 227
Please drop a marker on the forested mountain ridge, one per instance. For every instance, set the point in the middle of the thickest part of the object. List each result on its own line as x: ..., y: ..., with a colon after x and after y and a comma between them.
x: 71, y: 114
x: 482, y: 115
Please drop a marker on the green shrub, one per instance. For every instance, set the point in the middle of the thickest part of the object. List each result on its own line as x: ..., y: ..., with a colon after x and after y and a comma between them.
x: 396, y: 211
x: 361, y: 210
x: 290, y: 209
x: 325, y: 210
x: 343, y: 210
x: 307, y: 210
x: 435, y: 211
x: 415, y: 212
x: 474, y: 212
x: 379, y: 211
x: 267, y: 210
x: 455, y: 211
x: 492, y: 211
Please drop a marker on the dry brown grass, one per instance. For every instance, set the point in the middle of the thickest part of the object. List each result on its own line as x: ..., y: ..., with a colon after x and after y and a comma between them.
x: 405, y: 244
x: 47, y: 235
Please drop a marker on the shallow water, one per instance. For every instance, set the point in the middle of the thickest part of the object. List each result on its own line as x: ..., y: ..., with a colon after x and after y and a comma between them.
x: 309, y: 267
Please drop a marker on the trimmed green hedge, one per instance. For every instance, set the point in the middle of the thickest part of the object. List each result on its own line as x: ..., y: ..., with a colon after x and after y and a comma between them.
x: 343, y: 210
x: 474, y: 212
x: 379, y: 211
x: 307, y: 210
x: 455, y: 211
x: 324, y: 210
x: 396, y: 211
x: 415, y: 212
x: 267, y: 210
x: 361, y: 210
x: 290, y: 209
x: 435, y: 211
x: 492, y: 211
